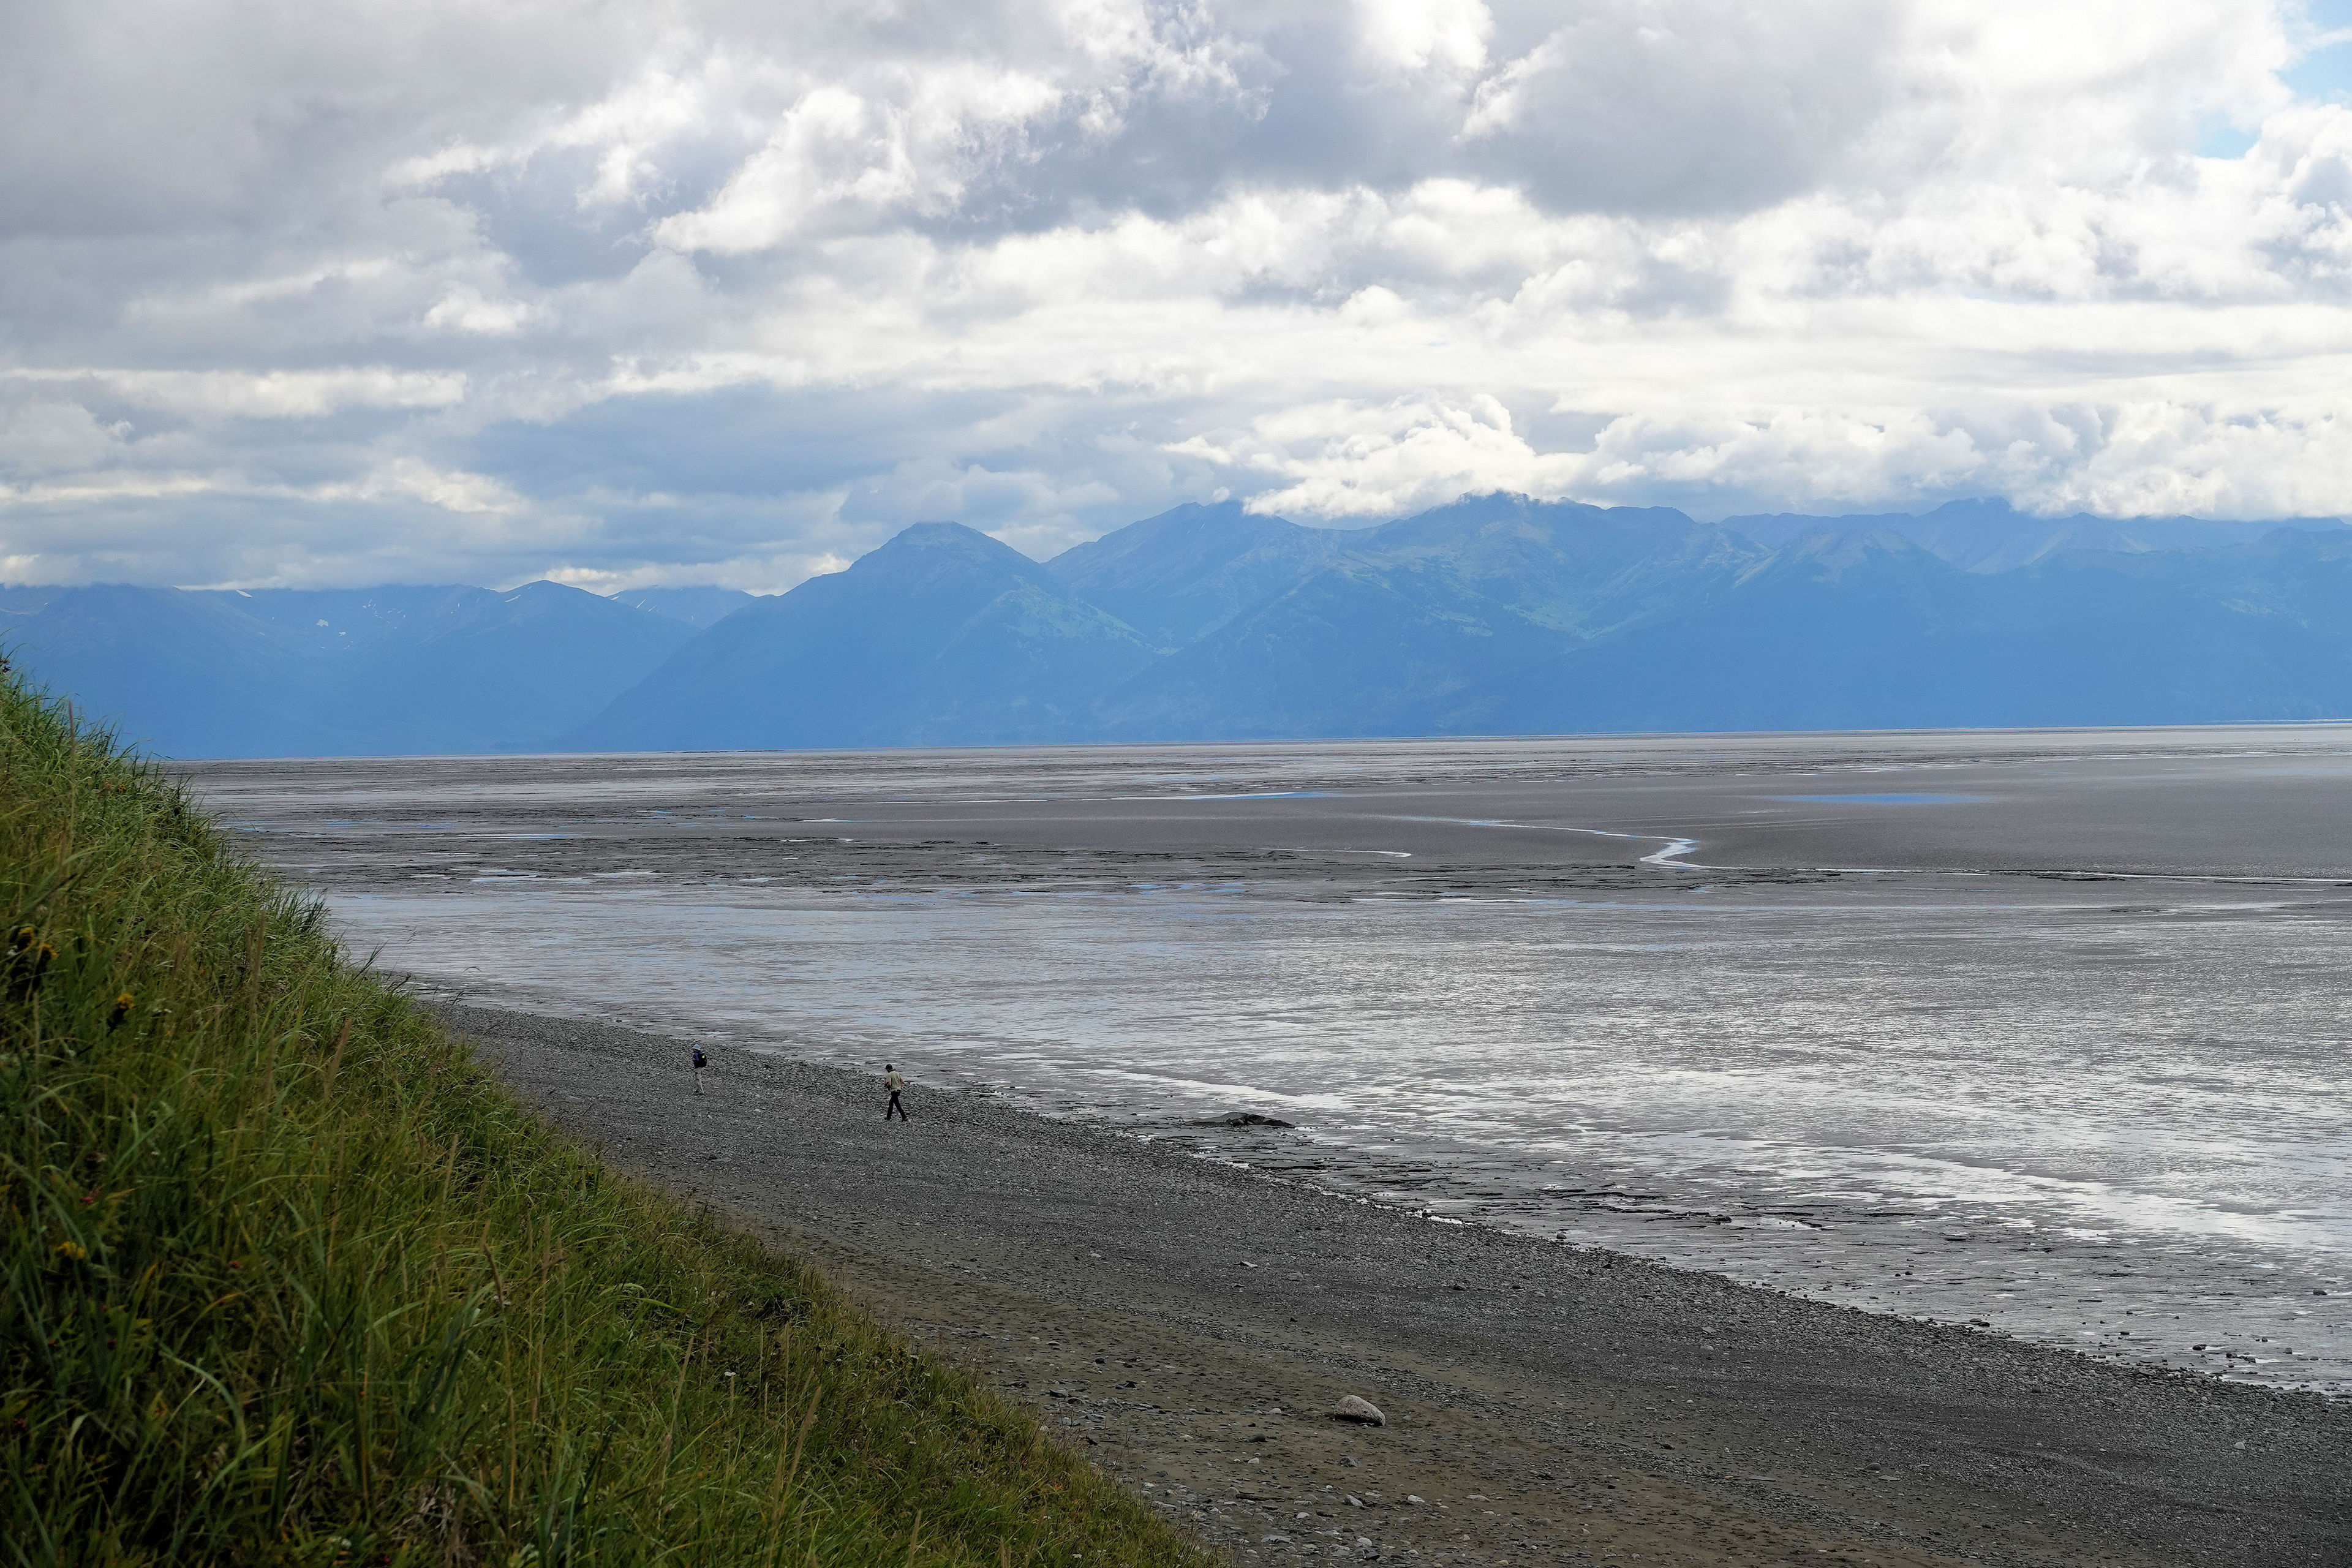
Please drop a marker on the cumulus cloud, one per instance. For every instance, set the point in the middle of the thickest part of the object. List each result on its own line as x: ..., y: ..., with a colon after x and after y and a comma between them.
x: 720, y: 292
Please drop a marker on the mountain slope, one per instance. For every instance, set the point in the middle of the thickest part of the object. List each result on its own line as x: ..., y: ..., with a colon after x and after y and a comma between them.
x: 1833, y: 631
x: 1585, y: 570
x: 1181, y: 576
x: 1994, y: 536
x: 1413, y: 615
x: 940, y: 636
x: 499, y: 671
x: 698, y: 607
x: 1869, y: 631
x: 338, y: 672
x: 183, y: 674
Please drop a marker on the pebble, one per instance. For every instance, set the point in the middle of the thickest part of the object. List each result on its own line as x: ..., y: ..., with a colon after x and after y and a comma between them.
x: 1358, y: 1409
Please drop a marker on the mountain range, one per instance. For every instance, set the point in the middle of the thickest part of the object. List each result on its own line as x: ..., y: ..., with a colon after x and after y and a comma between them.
x: 1495, y: 615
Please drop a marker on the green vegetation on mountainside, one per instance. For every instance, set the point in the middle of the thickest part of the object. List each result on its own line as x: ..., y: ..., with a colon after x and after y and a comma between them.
x: 289, y: 1279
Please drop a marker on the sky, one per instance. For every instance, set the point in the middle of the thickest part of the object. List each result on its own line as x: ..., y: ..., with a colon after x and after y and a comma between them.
x: 333, y: 293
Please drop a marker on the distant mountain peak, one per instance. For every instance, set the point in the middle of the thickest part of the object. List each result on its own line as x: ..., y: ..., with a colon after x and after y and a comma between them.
x: 961, y: 538
x: 541, y: 588
x: 926, y: 553
x: 942, y: 635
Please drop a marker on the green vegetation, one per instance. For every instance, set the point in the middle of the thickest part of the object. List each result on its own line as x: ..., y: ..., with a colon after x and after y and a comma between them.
x: 289, y: 1279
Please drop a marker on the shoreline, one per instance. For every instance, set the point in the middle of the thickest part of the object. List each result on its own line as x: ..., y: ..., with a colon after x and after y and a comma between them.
x: 1184, y: 1321
x: 1452, y: 1185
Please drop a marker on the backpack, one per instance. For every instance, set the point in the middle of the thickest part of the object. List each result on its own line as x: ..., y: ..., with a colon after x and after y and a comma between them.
x: 700, y: 1059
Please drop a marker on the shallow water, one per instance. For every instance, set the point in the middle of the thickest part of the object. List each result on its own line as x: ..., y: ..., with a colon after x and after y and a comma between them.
x: 2042, y: 1031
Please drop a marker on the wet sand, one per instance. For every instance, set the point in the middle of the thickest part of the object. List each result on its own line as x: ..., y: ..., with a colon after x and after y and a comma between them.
x: 1186, y: 1323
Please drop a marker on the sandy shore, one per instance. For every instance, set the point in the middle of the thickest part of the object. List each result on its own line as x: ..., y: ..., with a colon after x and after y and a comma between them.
x: 1186, y: 1323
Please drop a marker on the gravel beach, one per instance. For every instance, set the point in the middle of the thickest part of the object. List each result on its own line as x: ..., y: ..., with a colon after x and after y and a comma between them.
x: 1188, y: 1324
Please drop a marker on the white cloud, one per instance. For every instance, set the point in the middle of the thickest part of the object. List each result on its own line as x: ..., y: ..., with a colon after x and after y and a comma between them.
x: 1342, y: 460
x: 47, y: 435
x: 2147, y: 457
x: 265, y: 394
x: 1408, y: 38
x: 711, y: 287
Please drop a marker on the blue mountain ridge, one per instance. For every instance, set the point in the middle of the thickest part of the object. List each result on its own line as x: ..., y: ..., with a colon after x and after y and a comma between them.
x: 335, y: 672
x: 1494, y: 615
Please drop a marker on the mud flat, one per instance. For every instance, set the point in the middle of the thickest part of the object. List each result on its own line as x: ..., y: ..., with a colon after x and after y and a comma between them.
x: 1188, y: 1323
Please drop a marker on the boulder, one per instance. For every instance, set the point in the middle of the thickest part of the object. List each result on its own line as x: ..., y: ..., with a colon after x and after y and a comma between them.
x: 1359, y: 1410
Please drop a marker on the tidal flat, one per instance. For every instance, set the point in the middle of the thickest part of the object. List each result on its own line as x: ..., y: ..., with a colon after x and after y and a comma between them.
x: 2037, y: 1031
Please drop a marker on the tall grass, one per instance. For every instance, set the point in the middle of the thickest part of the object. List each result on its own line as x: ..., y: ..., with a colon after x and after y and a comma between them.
x: 288, y: 1279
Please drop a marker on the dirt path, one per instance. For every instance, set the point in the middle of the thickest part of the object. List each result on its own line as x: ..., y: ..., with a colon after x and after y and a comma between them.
x: 1187, y: 1323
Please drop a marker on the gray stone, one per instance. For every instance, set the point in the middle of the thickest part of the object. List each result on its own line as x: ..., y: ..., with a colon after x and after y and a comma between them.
x: 1359, y: 1410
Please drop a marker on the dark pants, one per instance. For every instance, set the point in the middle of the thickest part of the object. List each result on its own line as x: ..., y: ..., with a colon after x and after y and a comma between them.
x: 894, y: 1107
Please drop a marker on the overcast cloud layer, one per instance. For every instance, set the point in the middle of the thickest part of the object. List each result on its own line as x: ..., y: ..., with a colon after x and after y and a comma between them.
x: 691, y: 292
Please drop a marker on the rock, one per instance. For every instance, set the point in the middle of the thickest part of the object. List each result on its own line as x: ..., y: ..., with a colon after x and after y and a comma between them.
x: 1244, y: 1118
x: 1359, y: 1410
x: 1416, y: 1501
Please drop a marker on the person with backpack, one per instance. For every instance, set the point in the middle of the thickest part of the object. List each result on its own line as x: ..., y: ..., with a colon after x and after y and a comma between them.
x: 895, y: 1081
x: 700, y: 1061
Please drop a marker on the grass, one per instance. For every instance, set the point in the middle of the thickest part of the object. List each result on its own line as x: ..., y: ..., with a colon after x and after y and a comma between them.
x: 289, y: 1279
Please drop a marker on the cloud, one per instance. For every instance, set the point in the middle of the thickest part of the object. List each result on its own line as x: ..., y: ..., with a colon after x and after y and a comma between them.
x: 729, y: 290
x: 2160, y: 458
x: 1346, y: 460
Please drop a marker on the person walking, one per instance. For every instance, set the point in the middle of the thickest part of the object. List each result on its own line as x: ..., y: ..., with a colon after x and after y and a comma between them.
x: 700, y: 1061
x: 895, y: 1081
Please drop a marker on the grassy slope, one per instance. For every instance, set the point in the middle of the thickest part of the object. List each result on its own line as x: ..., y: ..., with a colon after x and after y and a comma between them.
x: 289, y: 1279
